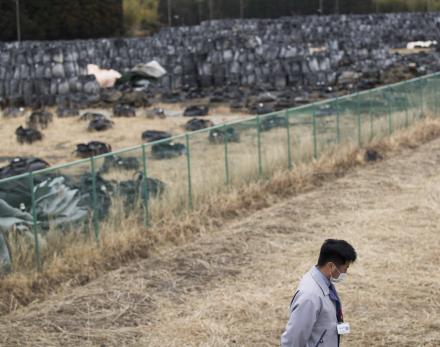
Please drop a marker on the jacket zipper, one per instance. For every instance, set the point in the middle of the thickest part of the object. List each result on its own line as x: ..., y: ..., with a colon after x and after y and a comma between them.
x: 320, y: 339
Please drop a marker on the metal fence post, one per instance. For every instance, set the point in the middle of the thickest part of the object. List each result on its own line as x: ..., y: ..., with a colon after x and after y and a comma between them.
x: 289, y: 141
x: 390, y: 121
x: 407, y: 112
x: 188, y: 166
x: 146, y: 192
x: 35, y: 222
x: 410, y: 91
x: 315, y: 144
x: 436, y: 96
x: 371, y: 116
x: 225, y: 140
x: 94, y: 199
x: 338, y: 130
x: 435, y: 106
x: 260, y: 162
x: 359, y: 119
x: 422, y: 98
x: 428, y: 94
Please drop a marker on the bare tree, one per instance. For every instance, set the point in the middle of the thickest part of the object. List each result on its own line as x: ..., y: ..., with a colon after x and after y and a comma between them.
x: 211, y: 9
x: 17, y: 18
x: 337, y: 7
x: 199, y: 9
x: 170, y: 13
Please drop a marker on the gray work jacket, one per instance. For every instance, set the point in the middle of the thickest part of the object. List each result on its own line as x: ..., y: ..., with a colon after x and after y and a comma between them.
x: 312, y: 321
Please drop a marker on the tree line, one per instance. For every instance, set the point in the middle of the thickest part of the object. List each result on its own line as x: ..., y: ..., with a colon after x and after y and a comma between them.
x: 60, y: 19
x: 190, y: 12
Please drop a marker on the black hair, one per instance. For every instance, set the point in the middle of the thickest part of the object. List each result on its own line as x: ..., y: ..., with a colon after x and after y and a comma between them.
x: 339, y: 252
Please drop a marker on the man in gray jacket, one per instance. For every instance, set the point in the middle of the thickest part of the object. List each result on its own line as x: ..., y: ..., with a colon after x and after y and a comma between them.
x: 316, y: 318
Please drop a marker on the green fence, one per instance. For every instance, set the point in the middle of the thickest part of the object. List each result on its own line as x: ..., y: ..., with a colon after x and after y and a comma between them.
x: 84, y: 200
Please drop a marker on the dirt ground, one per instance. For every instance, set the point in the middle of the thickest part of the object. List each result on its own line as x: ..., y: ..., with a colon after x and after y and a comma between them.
x: 233, y: 287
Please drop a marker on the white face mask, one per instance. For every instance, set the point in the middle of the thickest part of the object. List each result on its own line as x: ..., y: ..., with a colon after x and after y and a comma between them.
x: 342, y: 276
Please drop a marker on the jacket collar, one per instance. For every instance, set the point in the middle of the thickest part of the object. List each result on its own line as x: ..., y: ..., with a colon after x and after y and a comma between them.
x: 321, y: 280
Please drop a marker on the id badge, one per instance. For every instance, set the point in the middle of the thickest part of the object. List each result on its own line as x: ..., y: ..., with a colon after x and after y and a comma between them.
x: 343, y: 328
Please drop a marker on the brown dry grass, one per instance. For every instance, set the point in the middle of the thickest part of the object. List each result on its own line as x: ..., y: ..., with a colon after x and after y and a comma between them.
x: 83, y: 261
x: 62, y: 135
x: 232, y: 286
x: 208, y: 176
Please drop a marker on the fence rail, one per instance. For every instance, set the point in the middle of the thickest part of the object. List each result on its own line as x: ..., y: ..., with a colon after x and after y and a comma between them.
x: 83, y: 200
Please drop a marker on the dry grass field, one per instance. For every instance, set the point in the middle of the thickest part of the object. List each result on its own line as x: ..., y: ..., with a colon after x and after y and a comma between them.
x: 231, y: 285
x: 208, y: 175
x: 62, y: 135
